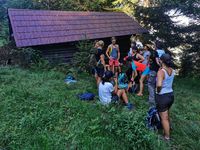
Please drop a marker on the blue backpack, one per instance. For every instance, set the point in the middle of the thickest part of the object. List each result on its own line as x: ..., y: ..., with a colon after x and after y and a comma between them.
x: 86, y: 96
x: 153, y: 121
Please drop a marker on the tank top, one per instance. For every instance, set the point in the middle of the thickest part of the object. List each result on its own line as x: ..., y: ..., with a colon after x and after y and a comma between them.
x: 167, y: 83
x: 114, y: 52
x: 135, y: 57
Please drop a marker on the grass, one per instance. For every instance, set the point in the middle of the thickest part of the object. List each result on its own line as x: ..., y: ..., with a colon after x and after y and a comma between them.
x: 39, y: 111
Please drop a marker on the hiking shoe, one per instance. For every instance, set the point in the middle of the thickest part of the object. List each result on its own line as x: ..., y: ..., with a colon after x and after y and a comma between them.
x: 129, y: 106
x: 165, y: 139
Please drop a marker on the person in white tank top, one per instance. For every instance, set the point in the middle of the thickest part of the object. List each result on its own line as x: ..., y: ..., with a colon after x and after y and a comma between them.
x: 165, y: 96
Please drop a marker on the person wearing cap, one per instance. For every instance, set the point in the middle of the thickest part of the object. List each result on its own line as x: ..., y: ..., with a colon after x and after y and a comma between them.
x: 165, y: 95
x: 107, y: 91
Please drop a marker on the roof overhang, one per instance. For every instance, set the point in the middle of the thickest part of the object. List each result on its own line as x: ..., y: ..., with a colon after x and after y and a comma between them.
x: 42, y: 27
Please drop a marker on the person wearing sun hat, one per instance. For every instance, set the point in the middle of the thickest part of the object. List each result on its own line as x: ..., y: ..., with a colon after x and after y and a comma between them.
x: 165, y: 95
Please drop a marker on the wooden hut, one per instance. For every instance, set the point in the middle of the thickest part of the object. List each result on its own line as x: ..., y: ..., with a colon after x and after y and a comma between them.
x: 56, y: 33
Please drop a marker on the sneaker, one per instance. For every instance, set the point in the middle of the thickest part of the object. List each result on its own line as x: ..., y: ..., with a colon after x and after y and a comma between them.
x: 166, y: 139
x: 129, y: 106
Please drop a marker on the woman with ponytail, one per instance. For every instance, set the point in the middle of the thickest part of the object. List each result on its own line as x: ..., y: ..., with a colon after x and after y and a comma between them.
x: 109, y: 93
x: 165, y: 95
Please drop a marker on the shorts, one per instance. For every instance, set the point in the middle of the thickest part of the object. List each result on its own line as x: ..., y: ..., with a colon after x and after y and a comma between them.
x: 114, y: 62
x: 98, y: 71
x: 146, y: 71
x: 164, y: 101
x: 114, y: 98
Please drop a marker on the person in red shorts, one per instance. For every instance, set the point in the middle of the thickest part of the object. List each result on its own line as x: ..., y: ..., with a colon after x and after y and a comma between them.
x: 113, y: 54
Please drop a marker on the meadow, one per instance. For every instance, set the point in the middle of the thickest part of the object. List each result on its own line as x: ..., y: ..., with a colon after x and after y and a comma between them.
x: 39, y: 111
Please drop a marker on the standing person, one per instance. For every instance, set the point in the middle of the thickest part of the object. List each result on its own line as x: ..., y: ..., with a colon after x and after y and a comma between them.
x: 97, y: 61
x: 144, y: 72
x: 146, y: 55
x: 107, y: 91
x: 113, y: 53
x: 134, y: 54
x: 159, y: 49
x: 154, y: 67
x: 131, y: 73
x: 165, y: 95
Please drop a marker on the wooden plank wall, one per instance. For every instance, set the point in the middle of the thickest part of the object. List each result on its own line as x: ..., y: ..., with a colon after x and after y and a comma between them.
x: 62, y: 53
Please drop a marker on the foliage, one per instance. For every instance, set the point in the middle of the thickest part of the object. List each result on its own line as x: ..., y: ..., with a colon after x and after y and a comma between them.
x: 80, y: 58
x: 38, y: 111
x: 25, y: 57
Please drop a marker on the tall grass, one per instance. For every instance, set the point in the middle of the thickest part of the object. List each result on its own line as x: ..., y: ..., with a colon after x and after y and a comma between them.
x: 39, y: 111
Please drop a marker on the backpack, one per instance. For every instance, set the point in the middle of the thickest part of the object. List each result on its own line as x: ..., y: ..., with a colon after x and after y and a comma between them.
x: 122, y: 81
x: 153, y: 120
x: 86, y: 96
x: 92, y: 57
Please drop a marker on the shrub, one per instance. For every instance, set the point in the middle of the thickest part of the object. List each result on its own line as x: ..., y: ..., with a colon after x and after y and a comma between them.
x: 25, y: 57
x: 130, y: 128
x: 81, y: 58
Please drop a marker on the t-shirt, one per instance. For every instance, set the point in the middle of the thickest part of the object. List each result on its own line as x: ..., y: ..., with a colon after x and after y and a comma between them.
x: 160, y: 52
x: 152, y: 61
x: 105, y: 92
x: 146, y: 54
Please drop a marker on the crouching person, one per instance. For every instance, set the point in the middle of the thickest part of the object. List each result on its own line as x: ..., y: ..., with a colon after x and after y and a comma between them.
x: 109, y: 93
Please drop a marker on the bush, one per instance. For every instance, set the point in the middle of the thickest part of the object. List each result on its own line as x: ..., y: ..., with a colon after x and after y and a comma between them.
x: 25, y: 57
x: 130, y: 129
x: 81, y: 58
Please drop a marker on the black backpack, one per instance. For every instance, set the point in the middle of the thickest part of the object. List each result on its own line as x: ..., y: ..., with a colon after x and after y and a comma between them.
x: 153, y: 120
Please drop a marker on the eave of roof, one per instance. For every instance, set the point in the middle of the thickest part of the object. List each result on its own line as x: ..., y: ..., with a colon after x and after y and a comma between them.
x: 40, y: 27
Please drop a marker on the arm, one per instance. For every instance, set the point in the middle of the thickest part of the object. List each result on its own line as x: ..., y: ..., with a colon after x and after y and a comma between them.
x: 157, y: 61
x: 116, y: 86
x: 107, y: 52
x: 118, y: 52
x: 148, y: 59
x: 103, y: 60
x: 134, y: 75
x: 160, y: 77
x: 140, y: 57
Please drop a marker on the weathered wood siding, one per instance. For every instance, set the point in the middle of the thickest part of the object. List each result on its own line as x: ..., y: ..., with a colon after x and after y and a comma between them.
x: 62, y: 53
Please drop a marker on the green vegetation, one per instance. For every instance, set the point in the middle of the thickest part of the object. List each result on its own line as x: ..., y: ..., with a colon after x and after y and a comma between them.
x: 39, y: 111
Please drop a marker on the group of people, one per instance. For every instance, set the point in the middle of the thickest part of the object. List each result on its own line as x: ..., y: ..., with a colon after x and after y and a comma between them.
x: 147, y: 62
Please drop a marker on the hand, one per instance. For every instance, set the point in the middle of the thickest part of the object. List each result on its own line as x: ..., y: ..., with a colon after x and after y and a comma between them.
x: 132, y: 79
x: 115, y: 79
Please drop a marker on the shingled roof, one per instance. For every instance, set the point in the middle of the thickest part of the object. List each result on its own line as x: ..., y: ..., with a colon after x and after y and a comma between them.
x: 42, y: 27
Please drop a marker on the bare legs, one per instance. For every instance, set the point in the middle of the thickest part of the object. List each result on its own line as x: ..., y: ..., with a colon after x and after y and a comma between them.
x: 142, y: 78
x: 165, y: 123
x: 122, y: 93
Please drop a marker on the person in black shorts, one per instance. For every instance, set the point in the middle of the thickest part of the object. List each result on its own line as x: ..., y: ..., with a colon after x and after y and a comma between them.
x: 165, y: 95
x: 99, y: 69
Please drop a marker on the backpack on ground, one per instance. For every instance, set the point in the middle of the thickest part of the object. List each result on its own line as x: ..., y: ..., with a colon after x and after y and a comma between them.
x: 153, y: 120
x: 86, y: 96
